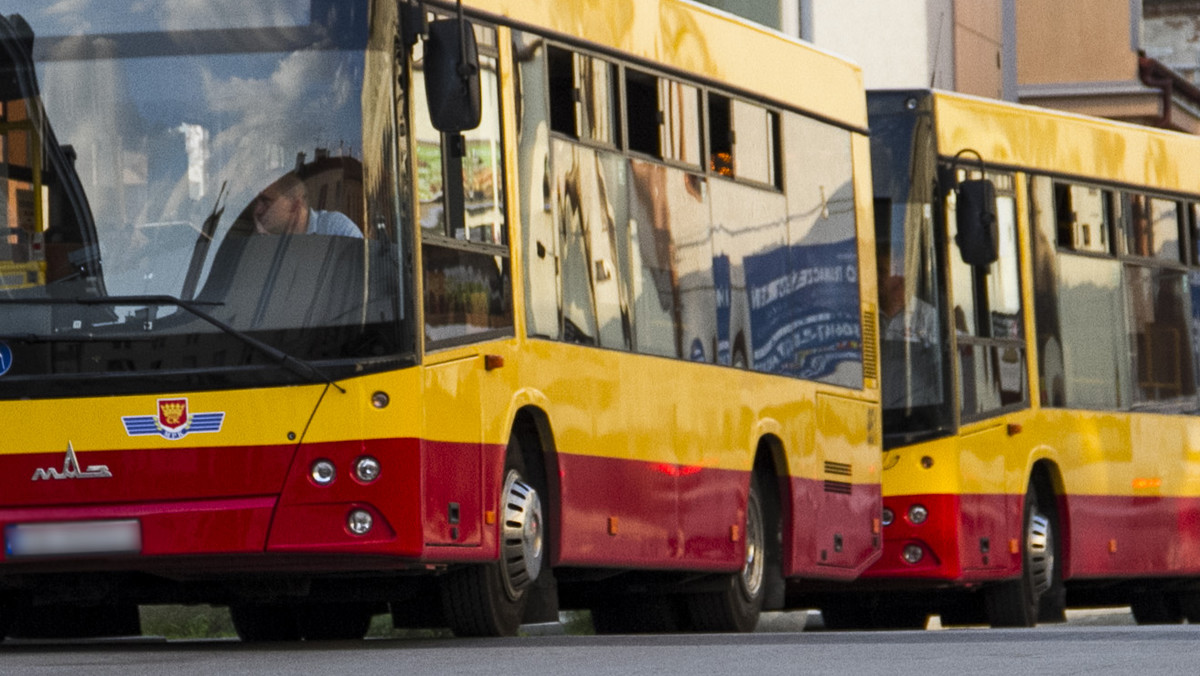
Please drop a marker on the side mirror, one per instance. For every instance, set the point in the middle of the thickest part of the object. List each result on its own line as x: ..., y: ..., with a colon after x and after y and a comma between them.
x: 452, y: 76
x: 978, y: 235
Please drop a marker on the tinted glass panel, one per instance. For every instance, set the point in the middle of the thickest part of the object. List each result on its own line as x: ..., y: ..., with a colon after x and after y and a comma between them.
x: 642, y: 112
x: 466, y: 294
x: 539, y: 241
x: 1159, y: 339
x: 822, y: 235
x: 1084, y: 215
x: 681, y: 122
x: 1151, y: 227
x: 656, y: 311
x: 598, y: 100
x: 754, y: 143
x: 591, y: 209
x: 1094, y: 341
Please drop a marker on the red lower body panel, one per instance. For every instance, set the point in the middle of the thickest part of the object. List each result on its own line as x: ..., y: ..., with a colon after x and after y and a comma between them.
x: 1120, y: 536
x: 963, y: 539
x: 232, y: 526
x: 623, y: 513
x: 977, y: 538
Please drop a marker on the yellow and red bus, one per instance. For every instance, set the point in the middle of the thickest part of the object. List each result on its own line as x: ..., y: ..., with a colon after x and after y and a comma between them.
x: 1038, y: 379
x: 468, y: 314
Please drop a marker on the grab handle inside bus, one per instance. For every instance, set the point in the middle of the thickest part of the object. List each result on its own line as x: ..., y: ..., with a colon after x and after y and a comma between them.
x: 452, y: 75
x: 975, y: 215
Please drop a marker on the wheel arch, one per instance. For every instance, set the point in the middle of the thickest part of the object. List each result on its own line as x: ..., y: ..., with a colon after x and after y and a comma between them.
x: 1047, y: 480
x: 532, y: 430
x: 770, y: 464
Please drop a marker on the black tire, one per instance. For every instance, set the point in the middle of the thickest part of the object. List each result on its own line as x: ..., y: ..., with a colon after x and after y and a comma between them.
x: 1156, y: 607
x: 1015, y: 603
x: 489, y: 599
x: 259, y: 622
x: 737, y: 605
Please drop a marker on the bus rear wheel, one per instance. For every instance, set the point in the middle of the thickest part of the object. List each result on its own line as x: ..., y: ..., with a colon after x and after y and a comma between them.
x: 489, y: 599
x: 738, y: 604
x: 1015, y: 603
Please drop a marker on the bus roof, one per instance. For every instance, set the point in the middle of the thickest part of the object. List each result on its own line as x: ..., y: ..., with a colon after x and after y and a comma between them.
x: 706, y: 44
x: 1069, y: 144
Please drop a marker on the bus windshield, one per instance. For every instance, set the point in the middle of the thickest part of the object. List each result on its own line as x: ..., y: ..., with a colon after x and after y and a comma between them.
x: 914, y: 343
x: 224, y: 154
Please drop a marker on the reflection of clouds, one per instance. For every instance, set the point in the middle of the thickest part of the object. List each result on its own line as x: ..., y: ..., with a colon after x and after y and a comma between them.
x: 70, y: 15
x: 306, y: 102
x: 76, y: 17
x: 192, y: 14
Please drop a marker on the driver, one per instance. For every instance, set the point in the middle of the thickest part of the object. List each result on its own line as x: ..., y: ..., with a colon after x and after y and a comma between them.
x: 282, y: 209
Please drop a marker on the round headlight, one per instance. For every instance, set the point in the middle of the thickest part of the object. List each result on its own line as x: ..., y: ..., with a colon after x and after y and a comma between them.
x: 323, y: 472
x: 366, y: 469
x: 380, y: 400
x: 917, y: 514
x: 360, y: 522
x: 913, y: 553
x: 888, y: 516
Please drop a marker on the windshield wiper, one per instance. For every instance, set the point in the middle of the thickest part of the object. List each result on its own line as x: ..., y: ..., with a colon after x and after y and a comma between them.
x: 300, y: 367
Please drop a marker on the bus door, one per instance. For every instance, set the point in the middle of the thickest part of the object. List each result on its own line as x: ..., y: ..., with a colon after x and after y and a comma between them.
x: 986, y: 513
x: 989, y: 353
x: 452, y: 452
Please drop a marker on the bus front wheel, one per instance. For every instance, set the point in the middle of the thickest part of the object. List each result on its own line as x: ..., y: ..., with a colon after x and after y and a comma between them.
x: 1015, y: 603
x: 489, y: 599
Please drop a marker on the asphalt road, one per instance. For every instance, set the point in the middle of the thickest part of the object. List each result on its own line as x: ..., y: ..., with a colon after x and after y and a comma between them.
x: 1091, y: 642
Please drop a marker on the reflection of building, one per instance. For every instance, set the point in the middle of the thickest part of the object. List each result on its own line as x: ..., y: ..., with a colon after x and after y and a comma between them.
x: 333, y: 183
x: 1135, y: 61
x: 21, y: 256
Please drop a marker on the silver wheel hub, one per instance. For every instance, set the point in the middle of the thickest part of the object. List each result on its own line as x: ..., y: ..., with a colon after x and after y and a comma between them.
x: 521, y: 546
x: 1041, y: 553
x: 754, y: 566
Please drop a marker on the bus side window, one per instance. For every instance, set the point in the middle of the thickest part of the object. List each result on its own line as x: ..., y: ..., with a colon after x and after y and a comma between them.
x: 755, y: 143
x: 599, y: 101
x: 988, y: 318
x: 464, y: 220
x: 681, y: 122
x: 560, y: 67
x: 720, y: 136
x: 1085, y: 216
x: 642, y: 113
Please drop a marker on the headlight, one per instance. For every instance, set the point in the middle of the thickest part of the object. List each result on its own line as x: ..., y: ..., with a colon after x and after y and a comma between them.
x: 360, y: 522
x: 366, y: 469
x: 917, y: 514
x: 323, y: 472
x: 913, y: 553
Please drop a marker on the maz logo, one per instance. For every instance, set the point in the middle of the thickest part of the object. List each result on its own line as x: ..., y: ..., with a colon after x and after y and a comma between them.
x: 70, y: 469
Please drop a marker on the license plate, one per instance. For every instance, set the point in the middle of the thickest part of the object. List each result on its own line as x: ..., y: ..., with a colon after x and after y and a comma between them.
x: 73, y: 538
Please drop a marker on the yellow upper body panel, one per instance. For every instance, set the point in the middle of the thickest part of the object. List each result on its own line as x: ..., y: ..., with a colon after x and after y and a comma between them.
x: 703, y: 42
x: 1043, y: 140
x: 251, y: 417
